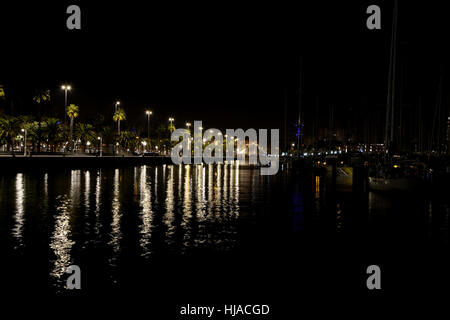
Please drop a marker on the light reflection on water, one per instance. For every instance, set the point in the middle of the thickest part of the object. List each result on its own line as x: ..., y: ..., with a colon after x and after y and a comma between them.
x: 146, y: 211
x: 116, y: 233
x: 19, y: 212
x: 112, y: 213
x: 61, y: 242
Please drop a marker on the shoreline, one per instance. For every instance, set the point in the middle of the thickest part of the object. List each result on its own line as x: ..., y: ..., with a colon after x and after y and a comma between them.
x: 21, y: 163
x: 58, y: 162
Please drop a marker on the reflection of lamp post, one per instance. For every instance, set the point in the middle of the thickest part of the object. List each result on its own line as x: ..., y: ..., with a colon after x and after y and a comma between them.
x: 25, y: 143
x: 148, y: 113
x: 65, y: 88
x: 101, y: 145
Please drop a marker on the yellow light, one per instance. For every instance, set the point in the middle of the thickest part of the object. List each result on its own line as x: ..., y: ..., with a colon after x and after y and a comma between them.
x: 396, y: 166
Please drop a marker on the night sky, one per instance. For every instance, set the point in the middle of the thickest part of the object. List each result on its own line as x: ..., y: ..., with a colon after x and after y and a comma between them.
x: 225, y: 63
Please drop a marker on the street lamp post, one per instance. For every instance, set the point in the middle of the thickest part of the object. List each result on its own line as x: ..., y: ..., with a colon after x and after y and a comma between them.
x: 101, y: 146
x: 148, y: 113
x: 188, y: 125
x: 116, y: 105
x: 25, y: 143
x: 171, y: 120
x: 66, y: 88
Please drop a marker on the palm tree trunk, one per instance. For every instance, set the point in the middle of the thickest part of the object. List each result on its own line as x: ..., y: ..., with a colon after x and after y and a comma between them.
x: 39, y: 136
x: 70, y: 133
x: 13, y: 154
x: 118, y: 127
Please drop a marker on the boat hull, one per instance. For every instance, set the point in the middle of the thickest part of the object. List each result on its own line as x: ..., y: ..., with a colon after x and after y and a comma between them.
x: 395, y: 184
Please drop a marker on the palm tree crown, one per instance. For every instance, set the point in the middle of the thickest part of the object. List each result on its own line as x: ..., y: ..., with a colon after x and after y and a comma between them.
x: 72, y: 111
x: 118, y: 116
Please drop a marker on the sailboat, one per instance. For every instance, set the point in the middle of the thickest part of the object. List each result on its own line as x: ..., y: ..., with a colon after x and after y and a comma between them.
x: 396, y: 173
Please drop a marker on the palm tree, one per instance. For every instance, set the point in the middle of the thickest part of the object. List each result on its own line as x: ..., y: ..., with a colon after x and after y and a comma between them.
x: 85, y: 132
x: 118, y: 116
x: 9, y: 128
x: 53, y: 132
x: 32, y: 128
x: 72, y: 112
x: 41, y: 97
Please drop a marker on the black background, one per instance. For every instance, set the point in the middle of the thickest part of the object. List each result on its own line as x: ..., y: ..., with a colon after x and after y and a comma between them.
x: 228, y: 63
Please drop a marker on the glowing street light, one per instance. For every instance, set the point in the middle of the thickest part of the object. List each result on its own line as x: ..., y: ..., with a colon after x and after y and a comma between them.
x: 171, y: 120
x: 25, y: 143
x: 188, y: 125
x: 116, y: 105
x: 101, y: 145
x: 148, y: 113
x: 66, y: 88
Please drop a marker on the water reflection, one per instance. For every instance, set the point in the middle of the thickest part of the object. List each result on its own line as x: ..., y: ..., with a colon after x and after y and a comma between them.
x: 61, y: 239
x: 169, y: 206
x: 98, y: 192
x: 61, y: 242
x: 187, y: 206
x: 135, y: 212
x: 116, y: 233
x: 87, y: 205
x: 145, y: 197
x: 19, y: 212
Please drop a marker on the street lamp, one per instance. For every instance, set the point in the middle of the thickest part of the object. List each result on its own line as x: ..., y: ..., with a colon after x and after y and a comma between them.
x: 171, y: 120
x: 66, y: 88
x: 148, y: 113
x: 188, y: 125
x: 101, y: 145
x: 144, y: 143
x: 25, y: 143
x: 116, y: 105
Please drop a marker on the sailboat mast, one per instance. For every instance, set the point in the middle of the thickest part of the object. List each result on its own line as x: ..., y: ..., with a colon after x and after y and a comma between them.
x: 300, y: 89
x: 285, y: 119
x: 389, y: 133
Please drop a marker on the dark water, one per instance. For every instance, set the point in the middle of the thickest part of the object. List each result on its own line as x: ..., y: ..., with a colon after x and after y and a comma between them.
x: 205, y: 232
